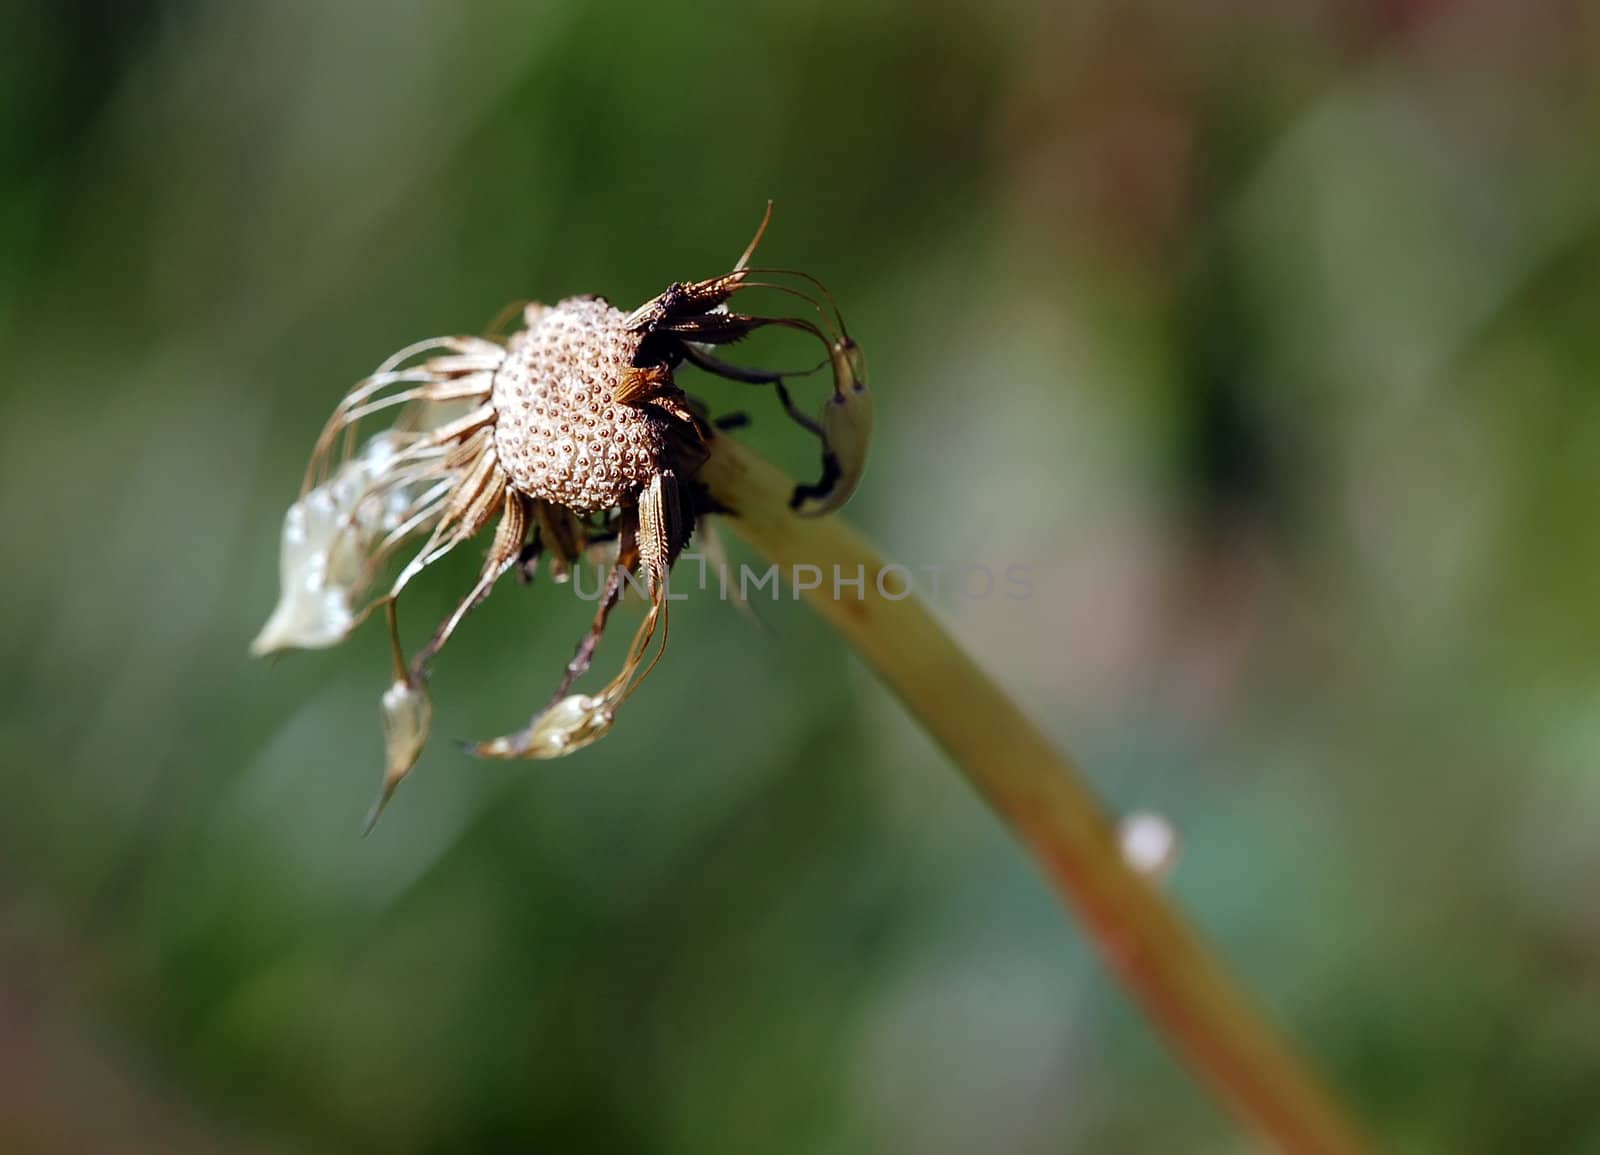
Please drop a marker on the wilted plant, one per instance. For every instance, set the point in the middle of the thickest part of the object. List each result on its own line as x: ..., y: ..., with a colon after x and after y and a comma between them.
x: 575, y: 432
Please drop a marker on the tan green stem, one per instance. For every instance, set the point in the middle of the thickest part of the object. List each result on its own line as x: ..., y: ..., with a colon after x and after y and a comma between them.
x: 1042, y: 795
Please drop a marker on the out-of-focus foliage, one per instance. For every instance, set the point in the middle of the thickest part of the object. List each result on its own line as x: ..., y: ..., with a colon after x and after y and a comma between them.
x: 1266, y: 335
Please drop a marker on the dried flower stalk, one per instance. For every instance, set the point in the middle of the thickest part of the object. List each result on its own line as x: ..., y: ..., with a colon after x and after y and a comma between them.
x: 1043, y: 797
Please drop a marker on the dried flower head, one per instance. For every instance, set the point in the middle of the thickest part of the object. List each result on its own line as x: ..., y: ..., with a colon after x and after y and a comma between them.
x: 575, y: 434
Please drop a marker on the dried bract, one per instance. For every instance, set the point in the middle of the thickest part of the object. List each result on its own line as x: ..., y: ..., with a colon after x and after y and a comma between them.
x: 846, y: 433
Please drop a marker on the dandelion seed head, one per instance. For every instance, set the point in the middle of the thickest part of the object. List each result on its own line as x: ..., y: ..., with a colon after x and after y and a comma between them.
x: 558, y: 434
x: 569, y: 434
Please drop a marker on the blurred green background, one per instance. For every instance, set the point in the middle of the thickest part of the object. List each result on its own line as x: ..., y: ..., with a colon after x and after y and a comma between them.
x: 1266, y: 333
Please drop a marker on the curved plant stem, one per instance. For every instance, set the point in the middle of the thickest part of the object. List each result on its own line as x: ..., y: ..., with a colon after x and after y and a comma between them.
x: 1042, y: 795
